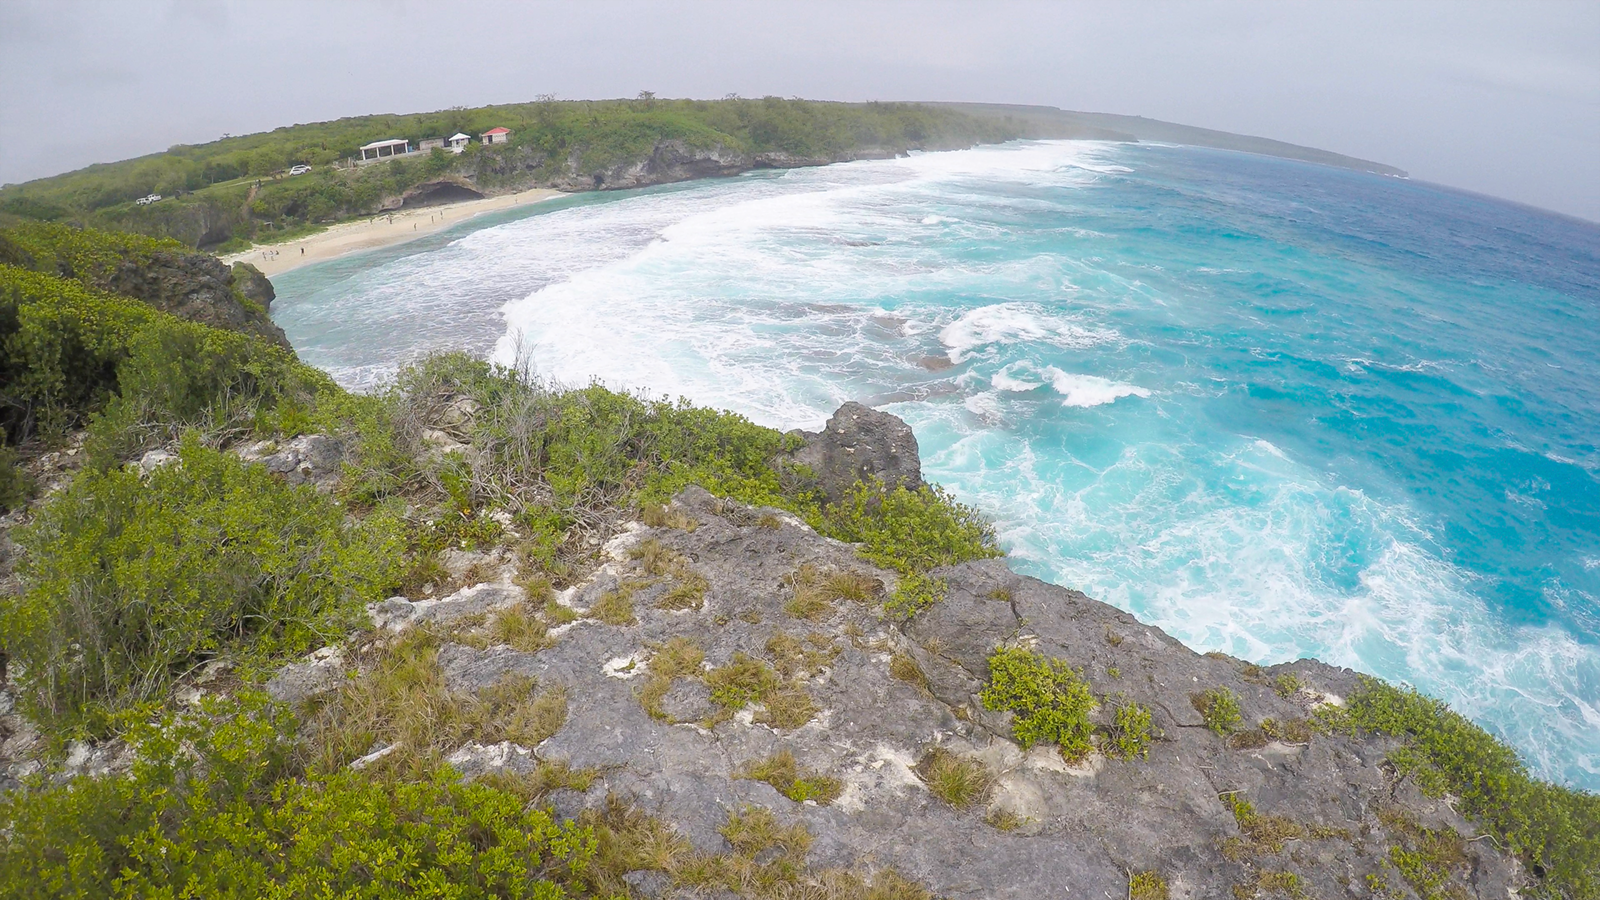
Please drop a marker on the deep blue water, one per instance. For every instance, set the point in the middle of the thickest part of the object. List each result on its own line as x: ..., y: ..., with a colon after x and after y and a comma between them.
x: 1278, y: 409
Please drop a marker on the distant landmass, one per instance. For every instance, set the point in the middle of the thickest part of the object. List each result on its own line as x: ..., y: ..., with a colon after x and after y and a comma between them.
x: 267, y: 188
x: 1050, y: 122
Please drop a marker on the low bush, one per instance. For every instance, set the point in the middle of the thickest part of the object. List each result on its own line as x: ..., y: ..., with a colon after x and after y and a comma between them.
x: 910, y: 531
x: 1048, y: 699
x: 1130, y: 733
x: 1555, y: 829
x: 1219, y: 709
x: 132, y: 580
x: 213, y: 809
x: 915, y: 593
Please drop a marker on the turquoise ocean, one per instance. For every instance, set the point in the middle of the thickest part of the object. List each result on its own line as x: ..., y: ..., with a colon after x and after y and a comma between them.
x: 1277, y: 409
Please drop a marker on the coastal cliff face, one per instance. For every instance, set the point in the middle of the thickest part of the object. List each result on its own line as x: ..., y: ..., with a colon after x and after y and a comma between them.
x: 666, y: 162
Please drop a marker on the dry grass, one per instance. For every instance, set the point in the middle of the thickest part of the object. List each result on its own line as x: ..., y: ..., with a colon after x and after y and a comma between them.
x: 787, y: 707
x: 903, y: 668
x: 520, y: 629
x: 959, y: 781
x: 615, y: 607
x: 744, y: 680
x: 793, y: 657
x: 1004, y: 820
x: 655, y: 558
x: 688, y: 593
x: 814, y: 590
x: 627, y: 841
x: 755, y: 829
x: 677, y: 658
x: 402, y: 700
x: 657, y: 516
x: 782, y: 772
x: 557, y: 615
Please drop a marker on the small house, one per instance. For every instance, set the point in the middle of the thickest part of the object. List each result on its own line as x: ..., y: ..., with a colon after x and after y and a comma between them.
x: 384, y: 149
x: 430, y: 144
x: 496, y: 136
x: 458, y: 142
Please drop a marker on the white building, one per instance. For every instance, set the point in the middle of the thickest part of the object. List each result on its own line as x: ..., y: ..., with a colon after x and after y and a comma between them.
x: 458, y: 142
x: 384, y: 149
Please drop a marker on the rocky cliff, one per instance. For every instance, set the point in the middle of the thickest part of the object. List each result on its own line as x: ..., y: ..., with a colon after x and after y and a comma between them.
x: 728, y: 658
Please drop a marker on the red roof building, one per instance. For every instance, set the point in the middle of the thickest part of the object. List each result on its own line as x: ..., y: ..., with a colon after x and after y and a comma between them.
x: 496, y: 136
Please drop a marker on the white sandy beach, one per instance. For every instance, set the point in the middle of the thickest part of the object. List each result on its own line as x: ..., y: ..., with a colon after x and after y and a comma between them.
x: 378, y: 231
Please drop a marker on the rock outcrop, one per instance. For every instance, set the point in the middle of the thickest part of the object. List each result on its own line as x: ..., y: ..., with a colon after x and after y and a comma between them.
x: 199, y: 287
x: 861, y: 444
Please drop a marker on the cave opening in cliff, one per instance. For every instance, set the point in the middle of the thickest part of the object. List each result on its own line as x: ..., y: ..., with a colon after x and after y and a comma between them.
x: 439, y: 193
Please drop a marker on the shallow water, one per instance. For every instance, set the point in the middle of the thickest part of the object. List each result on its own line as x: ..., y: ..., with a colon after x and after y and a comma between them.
x: 1277, y: 409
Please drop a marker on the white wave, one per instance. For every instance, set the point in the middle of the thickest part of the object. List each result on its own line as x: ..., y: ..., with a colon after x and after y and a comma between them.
x: 1007, y: 380
x: 1090, y: 390
x: 1006, y: 323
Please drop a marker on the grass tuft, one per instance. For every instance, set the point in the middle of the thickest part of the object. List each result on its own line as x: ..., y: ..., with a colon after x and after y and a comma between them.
x: 782, y: 772
x: 960, y: 781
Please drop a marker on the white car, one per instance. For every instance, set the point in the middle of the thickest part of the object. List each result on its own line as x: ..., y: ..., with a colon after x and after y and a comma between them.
x: 299, y: 170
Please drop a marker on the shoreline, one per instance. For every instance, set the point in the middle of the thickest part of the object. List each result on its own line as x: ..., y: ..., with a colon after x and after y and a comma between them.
x: 381, y: 230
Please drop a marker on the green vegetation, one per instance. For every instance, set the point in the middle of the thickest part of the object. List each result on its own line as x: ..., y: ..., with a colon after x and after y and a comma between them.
x: 71, y: 353
x: 910, y: 531
x: 742, y: 681
x: 1050, y: 701
x: 1555, y: 829
x: 234, y: 190
x: 16, y: 487
x: 216, y: 807
x: 134, y: 580
x: 1219, y: 709
x: 1147, y: 886
x: 782, y: 772
x: 960, y: 781
x: 1130, y: 733
x: 1287, y: 685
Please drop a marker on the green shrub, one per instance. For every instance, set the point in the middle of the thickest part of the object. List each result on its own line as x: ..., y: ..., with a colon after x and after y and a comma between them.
x: 1219, y: 709
x: 915, y: 593
x: 16, y: 488
x: 1555, y: 829
x: 67, y: 351
x: 132, y: 580
x: 212, y: 809
x: 1130, y: 733
x: 910, y: 531
x: 1049, y: 700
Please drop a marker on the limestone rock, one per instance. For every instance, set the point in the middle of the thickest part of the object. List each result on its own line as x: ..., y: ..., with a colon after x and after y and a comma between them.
x: 254, y: 286
x: 861, y: 444
x: 475, y: 760
x: 321, y: 673
x: 313, y: 459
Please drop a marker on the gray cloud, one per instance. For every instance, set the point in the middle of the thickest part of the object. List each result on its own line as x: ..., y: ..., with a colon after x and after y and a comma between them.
x: 1494, y: 97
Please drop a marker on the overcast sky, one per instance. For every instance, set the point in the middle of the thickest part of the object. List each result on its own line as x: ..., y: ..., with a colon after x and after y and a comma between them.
x: 1501, y: 98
